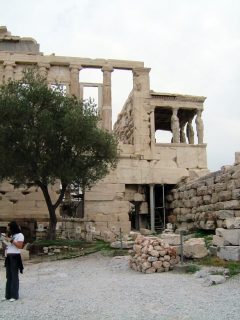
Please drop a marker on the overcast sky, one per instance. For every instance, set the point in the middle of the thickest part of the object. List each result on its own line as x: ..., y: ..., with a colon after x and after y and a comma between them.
x: 191, y: 46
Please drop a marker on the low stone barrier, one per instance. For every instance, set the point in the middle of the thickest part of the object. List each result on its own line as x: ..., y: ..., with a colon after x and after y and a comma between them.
x: 152, y: 254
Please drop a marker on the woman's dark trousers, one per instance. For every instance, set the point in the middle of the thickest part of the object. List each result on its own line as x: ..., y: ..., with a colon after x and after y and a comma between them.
x: 12, y: 285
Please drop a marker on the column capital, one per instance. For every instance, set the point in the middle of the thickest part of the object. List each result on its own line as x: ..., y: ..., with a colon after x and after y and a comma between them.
x: 107, y: 68
x: 44, y: 65
x: 9, y: 64
x: 199, y: 112
x: 138, y: 71
x: 175, y: 109
x: 75, y: 67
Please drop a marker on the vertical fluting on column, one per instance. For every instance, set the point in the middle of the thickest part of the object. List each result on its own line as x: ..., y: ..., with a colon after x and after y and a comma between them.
x: 106, y: 112
x: 175, y: 126
x: 8, y: 70
x: 74, y: 80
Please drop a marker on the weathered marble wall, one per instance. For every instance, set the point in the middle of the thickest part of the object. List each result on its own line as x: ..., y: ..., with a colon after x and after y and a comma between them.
x: 24, y: 203
x: 124, y: 126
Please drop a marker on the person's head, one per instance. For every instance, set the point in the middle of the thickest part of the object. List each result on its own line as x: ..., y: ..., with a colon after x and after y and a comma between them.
x: 14, y: 227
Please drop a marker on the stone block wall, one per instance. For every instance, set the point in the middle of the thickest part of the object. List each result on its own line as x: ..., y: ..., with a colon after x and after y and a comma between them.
x: 210, y: 202
x: 24, y: 203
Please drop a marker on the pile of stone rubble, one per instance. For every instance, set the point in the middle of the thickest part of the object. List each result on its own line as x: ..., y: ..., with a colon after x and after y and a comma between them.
x: 152, y: 254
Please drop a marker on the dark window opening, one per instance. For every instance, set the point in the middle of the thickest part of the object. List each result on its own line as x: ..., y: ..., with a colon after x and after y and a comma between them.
x: 73, y: 202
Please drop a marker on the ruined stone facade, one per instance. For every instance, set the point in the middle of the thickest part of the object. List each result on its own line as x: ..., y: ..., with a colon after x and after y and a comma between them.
x: 130, y: 195
x: 210, y: 202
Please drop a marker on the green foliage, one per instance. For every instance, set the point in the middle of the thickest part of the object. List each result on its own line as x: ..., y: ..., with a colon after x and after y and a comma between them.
x: 192, y: 268
x: 232, y: 266
x: 85, y: 248
x: 60, y: 242
x: 45, y: 135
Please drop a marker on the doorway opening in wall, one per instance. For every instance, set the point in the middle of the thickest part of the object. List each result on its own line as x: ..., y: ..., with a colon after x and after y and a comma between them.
x: 160, y: 208
x: 138, y: 207
x: 73, y: 202
x: 28, y: 228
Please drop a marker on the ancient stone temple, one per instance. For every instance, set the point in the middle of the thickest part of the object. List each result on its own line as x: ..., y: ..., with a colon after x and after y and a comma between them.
x: 133, y: 195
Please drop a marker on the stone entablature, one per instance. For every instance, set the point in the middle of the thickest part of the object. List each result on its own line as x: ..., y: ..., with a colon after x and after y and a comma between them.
x: 11, y: 43
x: 177, y: 97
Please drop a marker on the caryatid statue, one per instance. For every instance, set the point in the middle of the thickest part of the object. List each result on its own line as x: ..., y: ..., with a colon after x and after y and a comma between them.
x: 182, y: 133
x: 190, y: 131
x: 199, y: 126
x: 175, y: 127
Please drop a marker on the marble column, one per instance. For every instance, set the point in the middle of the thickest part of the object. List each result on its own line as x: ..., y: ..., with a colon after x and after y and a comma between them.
x: 175, y: 126
x: 74, y: 80
x: 9, y: 70
x: 106, y: 112
x: 152, y: 207
x: 182, y: 132
x: 190, y: 131
x: 141, y: 82
x: 199, y: 126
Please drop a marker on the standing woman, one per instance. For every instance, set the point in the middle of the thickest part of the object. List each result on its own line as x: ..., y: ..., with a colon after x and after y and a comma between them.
x: 13, y: 261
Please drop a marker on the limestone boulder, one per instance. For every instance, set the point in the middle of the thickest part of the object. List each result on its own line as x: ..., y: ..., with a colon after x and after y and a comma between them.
x: 218, y: 241
x: 122, y: 245
x: 233, y: 223
x: 230, y: 236
x: 214, y: 279
x: 171, y: 239
x: 195, y: 248
x: 225, y: 214
x: 230, y: 253
x: 145, y: 232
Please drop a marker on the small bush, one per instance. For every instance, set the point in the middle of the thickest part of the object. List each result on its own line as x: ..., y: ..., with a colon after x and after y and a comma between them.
x: 192, y: 268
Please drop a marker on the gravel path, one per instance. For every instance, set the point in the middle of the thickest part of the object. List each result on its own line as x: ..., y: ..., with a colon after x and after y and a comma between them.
x: 100, y: 288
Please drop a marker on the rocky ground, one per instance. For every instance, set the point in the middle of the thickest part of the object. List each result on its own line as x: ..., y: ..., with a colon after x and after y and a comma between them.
x: 95, y: 287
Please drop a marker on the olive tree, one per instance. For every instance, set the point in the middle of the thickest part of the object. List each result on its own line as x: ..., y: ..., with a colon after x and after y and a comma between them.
x: 46, y: 136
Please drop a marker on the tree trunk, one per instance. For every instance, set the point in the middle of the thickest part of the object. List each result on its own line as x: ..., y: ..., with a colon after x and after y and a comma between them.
x: 51, y: 208
x: 51, y: 235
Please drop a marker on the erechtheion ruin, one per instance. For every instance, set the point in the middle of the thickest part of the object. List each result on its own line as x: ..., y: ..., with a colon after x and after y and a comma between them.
x: 133, y: 195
